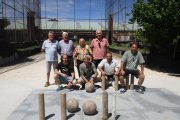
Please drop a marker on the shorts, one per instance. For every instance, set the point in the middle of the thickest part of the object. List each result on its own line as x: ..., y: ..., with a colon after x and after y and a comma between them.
x: 64, y: 80
x: 88, y: 78
x: 132, y: 72
x: 110, y: 76
x: 48, y: 66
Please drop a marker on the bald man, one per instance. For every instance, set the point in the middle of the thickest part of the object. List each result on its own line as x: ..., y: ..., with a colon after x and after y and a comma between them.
x: 66, y: 73
x: 80, y: 51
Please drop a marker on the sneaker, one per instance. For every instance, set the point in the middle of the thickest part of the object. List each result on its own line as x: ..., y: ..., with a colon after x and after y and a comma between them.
x: 122, y: 90
x: 139, y: 90
x: 47, y: 84
x: 59, y: 88
x: 113, y: 84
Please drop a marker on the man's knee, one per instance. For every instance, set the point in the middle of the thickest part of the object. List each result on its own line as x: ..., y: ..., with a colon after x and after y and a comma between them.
x: 74, y: 82
x: 142, y: 76
x: 79, y: 81
x: 55, y: 76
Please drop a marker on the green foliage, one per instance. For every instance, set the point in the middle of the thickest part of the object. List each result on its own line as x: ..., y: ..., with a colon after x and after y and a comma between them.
x: 28, y: 48
x: 160, y: 20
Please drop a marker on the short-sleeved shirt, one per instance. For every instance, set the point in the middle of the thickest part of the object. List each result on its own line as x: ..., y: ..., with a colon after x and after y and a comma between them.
x: 51, y: 50
x: 99, y: 51
x: 66, y: 47
x: 109, y: 68
x: 65, y: 69
x: 81, y: 53
x: 132, y: 60
x: 87, y: 71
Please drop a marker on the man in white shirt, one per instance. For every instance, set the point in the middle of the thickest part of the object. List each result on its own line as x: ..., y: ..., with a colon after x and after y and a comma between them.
x: 107, y: 68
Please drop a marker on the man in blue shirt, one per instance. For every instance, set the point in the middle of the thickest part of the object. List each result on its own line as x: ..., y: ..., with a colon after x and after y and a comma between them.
x: 67, y: 47
x: 50, y: 47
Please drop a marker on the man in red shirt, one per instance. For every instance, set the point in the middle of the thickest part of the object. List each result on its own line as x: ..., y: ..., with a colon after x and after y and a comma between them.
x: 99, y: 47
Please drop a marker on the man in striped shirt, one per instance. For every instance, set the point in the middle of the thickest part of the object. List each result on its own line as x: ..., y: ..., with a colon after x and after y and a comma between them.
x: 81, y: 50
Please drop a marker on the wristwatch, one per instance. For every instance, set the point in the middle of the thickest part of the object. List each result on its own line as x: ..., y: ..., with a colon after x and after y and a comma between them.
x: 71, y: 82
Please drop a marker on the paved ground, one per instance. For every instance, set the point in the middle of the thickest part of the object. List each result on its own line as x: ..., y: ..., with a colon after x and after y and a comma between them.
x: 21, y: 79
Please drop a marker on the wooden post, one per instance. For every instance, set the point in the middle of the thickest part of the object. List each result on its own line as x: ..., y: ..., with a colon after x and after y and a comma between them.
x: 114, y: 107
x: 116, y: 83
x: 103, y: 82
x: 127, y: 82
x: 132, y: 82
x: 41, y: 106
x: 63, y: 106
x: 105, y: 105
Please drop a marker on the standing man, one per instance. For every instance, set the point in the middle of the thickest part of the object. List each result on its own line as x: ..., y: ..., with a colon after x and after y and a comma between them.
x: 107, y: 68
x: 50, y: 47
x: 86, y: 71
x: 100, y: 47
x: 67, y: 47
x: 129, y: 64
x: 80, y: 51
x: 66, y: 73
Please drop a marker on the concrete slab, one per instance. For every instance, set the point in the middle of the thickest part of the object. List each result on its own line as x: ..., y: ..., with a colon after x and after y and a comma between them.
x: 155, y: 104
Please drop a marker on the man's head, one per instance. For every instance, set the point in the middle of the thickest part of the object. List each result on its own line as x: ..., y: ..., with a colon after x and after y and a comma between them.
x: 109, y: 57
x: 81, y: 42
x: 99, y: 34
x: 65, y: 36
x: 65, y: 59
x: 134, y: 48
x: 51, y: 35
x: 86, y: 59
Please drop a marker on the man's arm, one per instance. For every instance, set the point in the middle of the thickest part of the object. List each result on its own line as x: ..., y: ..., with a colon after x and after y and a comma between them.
x: 142, y: 69
x: 59, y: 73
x: 75, y: 60
x: 107, y: 50
x: 85, y: 79
x: 43, y: 50
x: 71, y: 80
x: 101, y: 70
x: 122, y: 68
x: 90, y: 58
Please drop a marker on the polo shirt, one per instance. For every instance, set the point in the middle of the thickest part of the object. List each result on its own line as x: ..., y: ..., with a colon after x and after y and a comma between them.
x: 51, y: 50
x: 99, y: 52
x: 66, y: 47
x: 109, y: 68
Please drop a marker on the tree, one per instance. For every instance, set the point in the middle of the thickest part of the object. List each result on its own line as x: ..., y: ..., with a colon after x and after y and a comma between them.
x: 3, y: 23
x: 53, y: 19
x: 159, y: 21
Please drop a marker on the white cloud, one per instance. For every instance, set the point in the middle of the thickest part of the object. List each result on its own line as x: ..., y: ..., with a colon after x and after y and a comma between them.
x: 68, y: 6
x: 70, y: 2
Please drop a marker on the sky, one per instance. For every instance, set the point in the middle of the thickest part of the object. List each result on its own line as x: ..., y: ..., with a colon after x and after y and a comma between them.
x: 64, y: 9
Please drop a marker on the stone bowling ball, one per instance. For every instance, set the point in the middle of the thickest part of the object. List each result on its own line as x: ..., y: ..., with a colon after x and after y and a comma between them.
x: 72, y: 105
x: 89, y: 107
x: 89, y: 87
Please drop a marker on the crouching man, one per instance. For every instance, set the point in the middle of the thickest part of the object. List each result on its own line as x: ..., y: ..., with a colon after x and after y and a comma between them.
x: 66, y: 75
x: 86, y: 72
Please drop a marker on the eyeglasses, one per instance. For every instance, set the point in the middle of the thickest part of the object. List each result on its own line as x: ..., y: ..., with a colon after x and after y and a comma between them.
x: 99, y: 44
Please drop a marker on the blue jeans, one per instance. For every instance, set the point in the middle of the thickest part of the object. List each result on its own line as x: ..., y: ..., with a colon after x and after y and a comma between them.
x: 64, y: 80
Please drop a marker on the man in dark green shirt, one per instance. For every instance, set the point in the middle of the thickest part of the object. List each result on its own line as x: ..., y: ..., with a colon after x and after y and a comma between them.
x: 129, y: 64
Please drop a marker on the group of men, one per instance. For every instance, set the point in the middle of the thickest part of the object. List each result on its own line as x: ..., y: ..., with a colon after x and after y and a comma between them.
x: 87, y: 59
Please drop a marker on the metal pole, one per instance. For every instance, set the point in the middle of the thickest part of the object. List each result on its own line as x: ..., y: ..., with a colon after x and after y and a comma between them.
x: 63, y: 106
x: 105, y: 105
x: 116, y: 83
x: 114, y: 107
x: 103, y: 82
x: 41, y: 106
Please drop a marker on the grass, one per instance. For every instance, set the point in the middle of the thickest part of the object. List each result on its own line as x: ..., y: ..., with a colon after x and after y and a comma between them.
x: 28, y: 48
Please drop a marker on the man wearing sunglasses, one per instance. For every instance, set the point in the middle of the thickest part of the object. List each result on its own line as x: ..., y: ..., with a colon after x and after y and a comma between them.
x: 99, y: 47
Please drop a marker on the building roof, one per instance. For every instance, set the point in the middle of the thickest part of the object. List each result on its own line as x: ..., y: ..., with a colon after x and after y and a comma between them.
x: 80, y: 26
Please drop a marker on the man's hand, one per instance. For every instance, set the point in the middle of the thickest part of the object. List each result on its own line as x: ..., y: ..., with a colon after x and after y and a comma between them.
x: 76, y: 64
x: 91, y: 81
x: 140, y: 72
x: 69, y: 85
x: 122, y: 72
x: 64, y: 75
x: 116, y: 73
x: 103, y: 73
